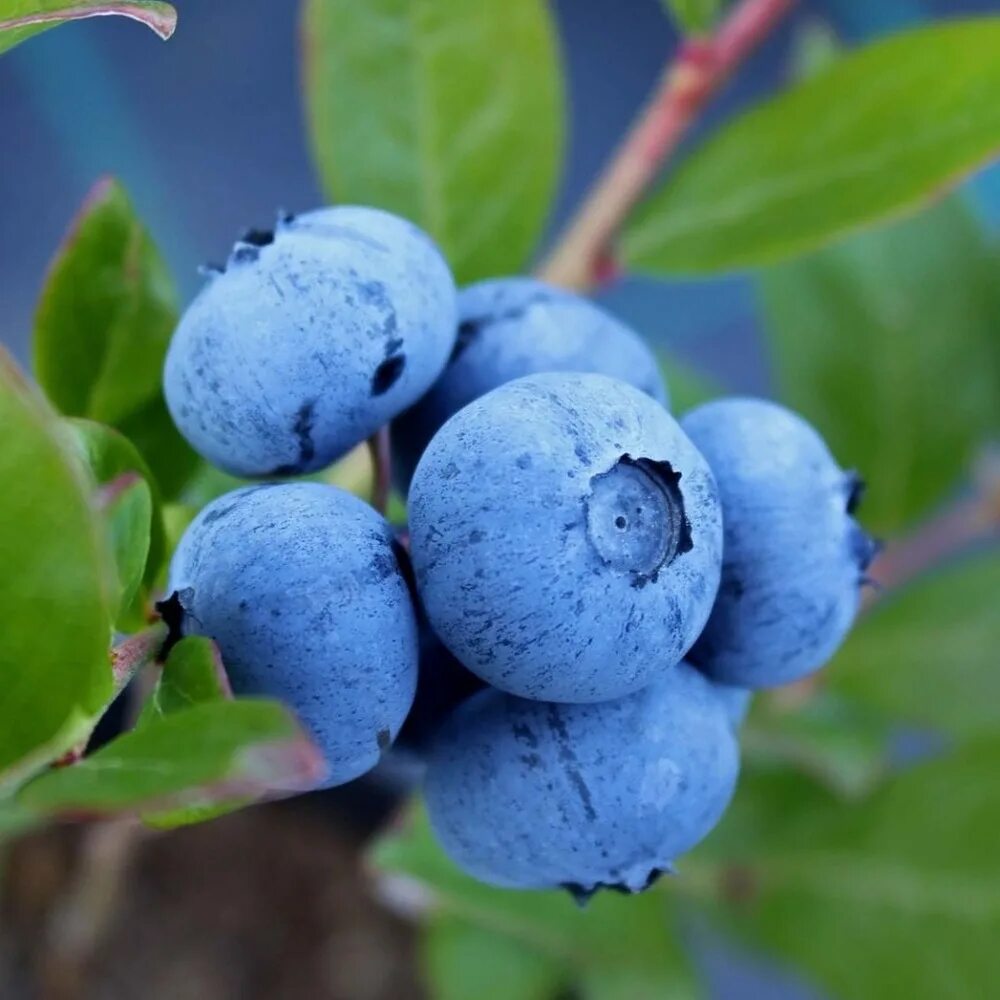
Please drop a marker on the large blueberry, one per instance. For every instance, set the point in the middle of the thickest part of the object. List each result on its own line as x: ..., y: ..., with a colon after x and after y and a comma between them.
x: 794, y: 558
x: 301, y: 586
x: 312, y: 338
x: 566, y: 537
x: 532, y: 795
x: 509, y: 327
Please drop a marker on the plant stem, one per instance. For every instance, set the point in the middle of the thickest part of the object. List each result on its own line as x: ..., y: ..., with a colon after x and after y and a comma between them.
x: 378, y: 446
x: 582, y: 257
x: 967, y: 521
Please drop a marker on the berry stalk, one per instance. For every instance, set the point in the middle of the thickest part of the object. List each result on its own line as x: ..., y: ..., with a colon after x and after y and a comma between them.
x: 582, y: 256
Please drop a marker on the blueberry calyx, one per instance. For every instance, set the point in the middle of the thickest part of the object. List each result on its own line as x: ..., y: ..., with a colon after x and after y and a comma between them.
x: 635, y: 517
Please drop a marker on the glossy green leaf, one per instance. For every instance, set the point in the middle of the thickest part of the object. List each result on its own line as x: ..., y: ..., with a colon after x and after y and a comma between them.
x: 448, y: 113
x: 694, y: 17
x: 888, y: 344
x: 614, y: 936
x: 928, y: 655
x: 212, y: 752
x: 192, y: 674
x: 102, y: 327
x: 897, y: 896
x: 109, y: 454
x: 883, y: 130
x: 20, y: 19
x: 462, y: 960
x: 57, y: 587
x: 127, y: 507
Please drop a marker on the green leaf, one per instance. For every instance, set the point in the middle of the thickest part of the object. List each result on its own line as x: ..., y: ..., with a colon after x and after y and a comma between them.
x: 127, y: 507
x: 102, y: 328
x: 843, y: 745
x: 613, y: 937
x: 192, y: 674
x: 867, y: 335
x: 171, y: 458
x: 928, y: 654
x: 462, y: 960
x: 884, y: 129
x: 694, y: 17
x: 198, y: 757
x: 57, y: 587
x: 110, y: 455
x: 898, y: 896
x: 20, y: 19
x: 448, y: 113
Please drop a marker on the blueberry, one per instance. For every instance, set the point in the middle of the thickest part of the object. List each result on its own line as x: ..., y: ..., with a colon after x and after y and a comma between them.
x: 533, y: 795
x: 301, y: 586
x: 737, y: 702
x: 509, y: 327
x: 566, y: 537
x: 794, y: 558
x: 310, y: 339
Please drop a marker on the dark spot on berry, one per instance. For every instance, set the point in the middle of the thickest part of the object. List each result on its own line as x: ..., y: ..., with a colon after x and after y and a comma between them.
x: 384, y: 739
x: 855, y: 488
x: 258, y: 237
x: 244, y: 254
x: 387, y: 374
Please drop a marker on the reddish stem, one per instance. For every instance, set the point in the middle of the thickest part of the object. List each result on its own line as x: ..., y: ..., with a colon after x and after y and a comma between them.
x: 581, y: 256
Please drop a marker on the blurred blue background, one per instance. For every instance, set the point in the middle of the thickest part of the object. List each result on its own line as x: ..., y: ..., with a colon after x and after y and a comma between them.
x: 207, y: 134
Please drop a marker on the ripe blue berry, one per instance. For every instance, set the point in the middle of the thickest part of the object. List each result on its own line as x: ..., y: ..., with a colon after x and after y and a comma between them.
x: 794, y: 558
x: 312, y: 338
x: 301, y: 586
x: 737, y: 702
x: 531, y: 795
x: 509, y: 327
x: 566, y: 537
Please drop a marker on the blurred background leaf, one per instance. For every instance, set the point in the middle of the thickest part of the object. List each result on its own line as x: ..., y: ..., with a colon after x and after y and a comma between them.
x: 57, y: 588
x: 928, y: 655
x: 845, y: 746
x: 631, y: 941
x: 104, y: 319
x: 20, y: 19
x: 888, y: 344
x: 883, y: 129
x: 694, y: 17
x: 687, y: 385
x: 896, y: 896
x: 463, y: 960
x: 421, y: 106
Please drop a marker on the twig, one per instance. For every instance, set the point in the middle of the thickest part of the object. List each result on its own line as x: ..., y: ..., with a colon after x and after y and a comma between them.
x: 959, y: 526
x: 582, y: 255
x: 378, y: 446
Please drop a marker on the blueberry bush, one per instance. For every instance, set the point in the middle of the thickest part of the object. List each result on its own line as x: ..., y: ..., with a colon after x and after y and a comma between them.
x: 482, y: 528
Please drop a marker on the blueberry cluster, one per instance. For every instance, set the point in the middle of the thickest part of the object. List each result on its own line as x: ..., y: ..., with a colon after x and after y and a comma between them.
x: 591, y: 588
